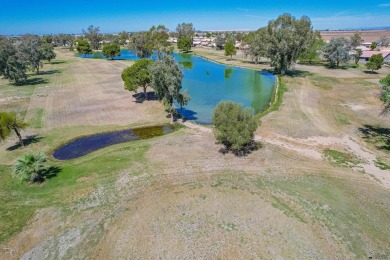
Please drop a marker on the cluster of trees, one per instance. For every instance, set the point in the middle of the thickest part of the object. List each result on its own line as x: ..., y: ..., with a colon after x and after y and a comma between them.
x: 282, y: 41
x: 287, y: 39
x: 26, y: 53
x: 163, y: 75
x: 156, y: 39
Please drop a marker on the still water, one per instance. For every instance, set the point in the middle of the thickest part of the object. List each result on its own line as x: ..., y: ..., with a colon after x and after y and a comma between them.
x: 208, y: 83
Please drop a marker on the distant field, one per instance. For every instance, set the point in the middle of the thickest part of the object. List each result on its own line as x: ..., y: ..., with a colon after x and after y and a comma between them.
x: 368, y: 36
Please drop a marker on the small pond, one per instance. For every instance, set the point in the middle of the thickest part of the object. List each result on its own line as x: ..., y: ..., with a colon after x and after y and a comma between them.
x: 88, y: 144
x: 208, y: 83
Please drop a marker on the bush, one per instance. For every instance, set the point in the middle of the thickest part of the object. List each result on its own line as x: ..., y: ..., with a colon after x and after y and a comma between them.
x: 235, y: 127
x: 30, y: 167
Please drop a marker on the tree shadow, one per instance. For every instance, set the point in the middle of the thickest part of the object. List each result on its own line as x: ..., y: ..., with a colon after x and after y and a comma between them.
x: 291, y: 73
x: 340, y: 67
x: 187, y: 114
x: 140, y: 98
x: 370, y: 72
x: 50, y: 172
x: 49, y: 72
x: 47, y: 173
x: 377, y: 135
x: 245, y: 151
x: 36, y: 81
x: 57, y: 62
x: 298, y: 73
x: 31, y: 139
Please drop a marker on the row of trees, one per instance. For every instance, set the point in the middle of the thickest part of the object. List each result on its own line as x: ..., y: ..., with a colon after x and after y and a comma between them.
x: 287, y: 39
x: 27, y: 53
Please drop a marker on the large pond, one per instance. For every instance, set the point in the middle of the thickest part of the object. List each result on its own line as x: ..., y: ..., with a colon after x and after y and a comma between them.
x: 88, y: 144
x: 208, y: 83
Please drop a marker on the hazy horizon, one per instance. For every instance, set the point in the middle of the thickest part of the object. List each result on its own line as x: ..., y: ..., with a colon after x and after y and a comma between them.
x: 43, y: 17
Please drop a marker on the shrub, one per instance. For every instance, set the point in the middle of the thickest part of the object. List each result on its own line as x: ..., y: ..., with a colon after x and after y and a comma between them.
x: 234, y: 127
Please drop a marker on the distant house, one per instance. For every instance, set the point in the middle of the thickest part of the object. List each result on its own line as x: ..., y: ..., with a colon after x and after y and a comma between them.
x: 366, y: 55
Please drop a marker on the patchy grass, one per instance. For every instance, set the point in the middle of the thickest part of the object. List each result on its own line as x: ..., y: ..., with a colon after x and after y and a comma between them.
x: 228, y: 226
x: 37, y: 120
x: 341, y: 158
x: 326, y: 83
x: 286, y: 209
x: 24, y: 199
x: 380, y: 162
x: 377, y: 135
x: 278, y: 99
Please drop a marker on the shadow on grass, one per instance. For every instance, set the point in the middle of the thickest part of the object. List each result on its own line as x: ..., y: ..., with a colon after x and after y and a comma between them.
x: 370, y: 72
x: 57, y: 62
x: 340, y: 67
x: 245, y: 151
x: 291, y: 73
x: 31, y: 139
x: 377, y: 135
x: 47, y: 173
x: 49, y: 72
x: 140, y: 98
x: 36, y: 81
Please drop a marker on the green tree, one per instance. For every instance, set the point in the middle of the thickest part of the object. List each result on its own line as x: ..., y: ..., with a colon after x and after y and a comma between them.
x: 47, y: 52
x: 160, y: 36
x: 166, y: 80
x: 287, y: 38
x: 234, y: 126
x: 336, y: 51
x: 373, y: 46
x: 257, y: 44
x: 63, y: 40
x: 30, y: 167
x: 8, y: 123
x: 11, y: 66
x: 358, y: 53
x: 83, y: 47
x: 29, y: 51
x: 230, y: 50
x: 142, y: 44
x: 137, y: 76
x: 184, y: 44
x: 111, y: 50
x: 312, y: 53
x: 375, y: 62
x: 356, y: 40
x: 384, y: 95
x: 93, y: 35
x: 47, y: 39
x: 185, y: 30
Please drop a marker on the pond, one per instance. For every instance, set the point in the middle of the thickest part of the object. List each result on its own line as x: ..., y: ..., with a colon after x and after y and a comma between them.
x: 208, y: 83
x: 88, y: 144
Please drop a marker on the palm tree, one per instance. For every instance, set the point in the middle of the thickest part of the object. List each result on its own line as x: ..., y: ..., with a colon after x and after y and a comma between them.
x: 30, y: 167
x: 9, y: 122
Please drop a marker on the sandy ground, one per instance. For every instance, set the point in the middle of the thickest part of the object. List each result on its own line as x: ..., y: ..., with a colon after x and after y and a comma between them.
x: 190, y: 201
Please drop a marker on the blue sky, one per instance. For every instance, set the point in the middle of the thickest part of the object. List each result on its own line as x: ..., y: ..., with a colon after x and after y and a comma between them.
x: 70, y: 16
